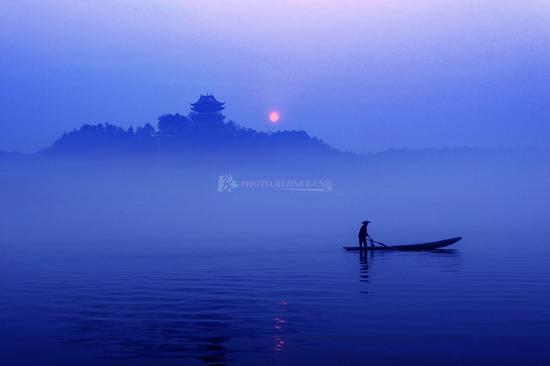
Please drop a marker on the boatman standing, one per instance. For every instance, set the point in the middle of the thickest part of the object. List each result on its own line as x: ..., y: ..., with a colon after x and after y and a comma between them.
x: 363, y: 235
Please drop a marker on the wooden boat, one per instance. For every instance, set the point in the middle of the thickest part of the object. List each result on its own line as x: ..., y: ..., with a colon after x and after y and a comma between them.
x: 412, y: 247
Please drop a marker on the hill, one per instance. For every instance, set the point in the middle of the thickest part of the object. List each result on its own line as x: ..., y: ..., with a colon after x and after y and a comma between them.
x: 203, y: 131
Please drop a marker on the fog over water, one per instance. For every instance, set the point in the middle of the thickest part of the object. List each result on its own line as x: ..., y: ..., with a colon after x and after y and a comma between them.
x: 409, y: 196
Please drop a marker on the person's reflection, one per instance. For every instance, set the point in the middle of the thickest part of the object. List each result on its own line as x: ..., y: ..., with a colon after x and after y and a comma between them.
x: 364, y: 264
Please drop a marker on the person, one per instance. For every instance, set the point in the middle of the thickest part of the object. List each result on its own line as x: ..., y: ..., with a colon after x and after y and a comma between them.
x: 363, y: 235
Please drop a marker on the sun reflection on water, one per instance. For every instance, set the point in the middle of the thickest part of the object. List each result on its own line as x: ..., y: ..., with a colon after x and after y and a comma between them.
x: 279, y: 324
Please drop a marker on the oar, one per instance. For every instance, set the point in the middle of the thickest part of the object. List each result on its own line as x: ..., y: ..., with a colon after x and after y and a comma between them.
x: 384, y: 245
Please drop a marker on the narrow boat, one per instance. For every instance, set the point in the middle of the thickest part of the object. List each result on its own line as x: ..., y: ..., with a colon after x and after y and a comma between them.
x: 412, y: 247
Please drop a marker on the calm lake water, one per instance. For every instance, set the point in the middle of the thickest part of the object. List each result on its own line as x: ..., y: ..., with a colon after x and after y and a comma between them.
x: 194, y: 304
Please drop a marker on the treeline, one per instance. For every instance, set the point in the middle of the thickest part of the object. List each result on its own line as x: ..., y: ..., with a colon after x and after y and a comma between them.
x: 176, y: 132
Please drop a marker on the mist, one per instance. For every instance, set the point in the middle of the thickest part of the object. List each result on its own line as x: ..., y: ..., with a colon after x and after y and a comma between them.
x: 162, y: 201
x: 236, y: 182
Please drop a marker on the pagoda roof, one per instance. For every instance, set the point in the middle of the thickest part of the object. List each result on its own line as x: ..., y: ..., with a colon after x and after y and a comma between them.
x: 207, y: 102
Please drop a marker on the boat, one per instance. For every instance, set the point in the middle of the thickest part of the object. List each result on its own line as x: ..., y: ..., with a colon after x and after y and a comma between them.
x: 412, y: 247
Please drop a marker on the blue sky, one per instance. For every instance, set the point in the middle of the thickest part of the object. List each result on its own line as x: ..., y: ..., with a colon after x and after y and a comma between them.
x: 362, y: 75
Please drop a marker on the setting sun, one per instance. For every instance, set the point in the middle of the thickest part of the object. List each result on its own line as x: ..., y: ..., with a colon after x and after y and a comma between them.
x: 274, y: 116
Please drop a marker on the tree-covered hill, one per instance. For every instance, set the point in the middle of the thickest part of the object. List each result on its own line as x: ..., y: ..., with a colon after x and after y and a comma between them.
x: 177, y: 133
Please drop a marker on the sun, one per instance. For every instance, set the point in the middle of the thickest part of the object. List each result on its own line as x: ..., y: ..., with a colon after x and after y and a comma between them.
x: 274, y: 116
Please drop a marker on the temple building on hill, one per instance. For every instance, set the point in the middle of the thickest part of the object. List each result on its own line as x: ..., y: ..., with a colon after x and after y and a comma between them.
x: 207, y: 109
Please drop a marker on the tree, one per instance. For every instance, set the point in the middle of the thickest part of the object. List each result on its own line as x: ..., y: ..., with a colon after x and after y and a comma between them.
x: 173, y: 125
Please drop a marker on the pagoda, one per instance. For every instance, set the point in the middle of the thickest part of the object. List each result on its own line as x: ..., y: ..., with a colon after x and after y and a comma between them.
x: 207, y: 109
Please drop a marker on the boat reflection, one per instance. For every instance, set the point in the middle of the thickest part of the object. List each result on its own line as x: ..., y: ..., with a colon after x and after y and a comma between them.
x: 447, y: 258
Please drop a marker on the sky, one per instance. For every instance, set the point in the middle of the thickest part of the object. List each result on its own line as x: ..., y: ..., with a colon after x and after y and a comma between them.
x: 364, y: 76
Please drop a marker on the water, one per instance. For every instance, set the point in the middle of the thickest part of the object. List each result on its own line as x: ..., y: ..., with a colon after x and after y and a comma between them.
x: 198, y: 304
